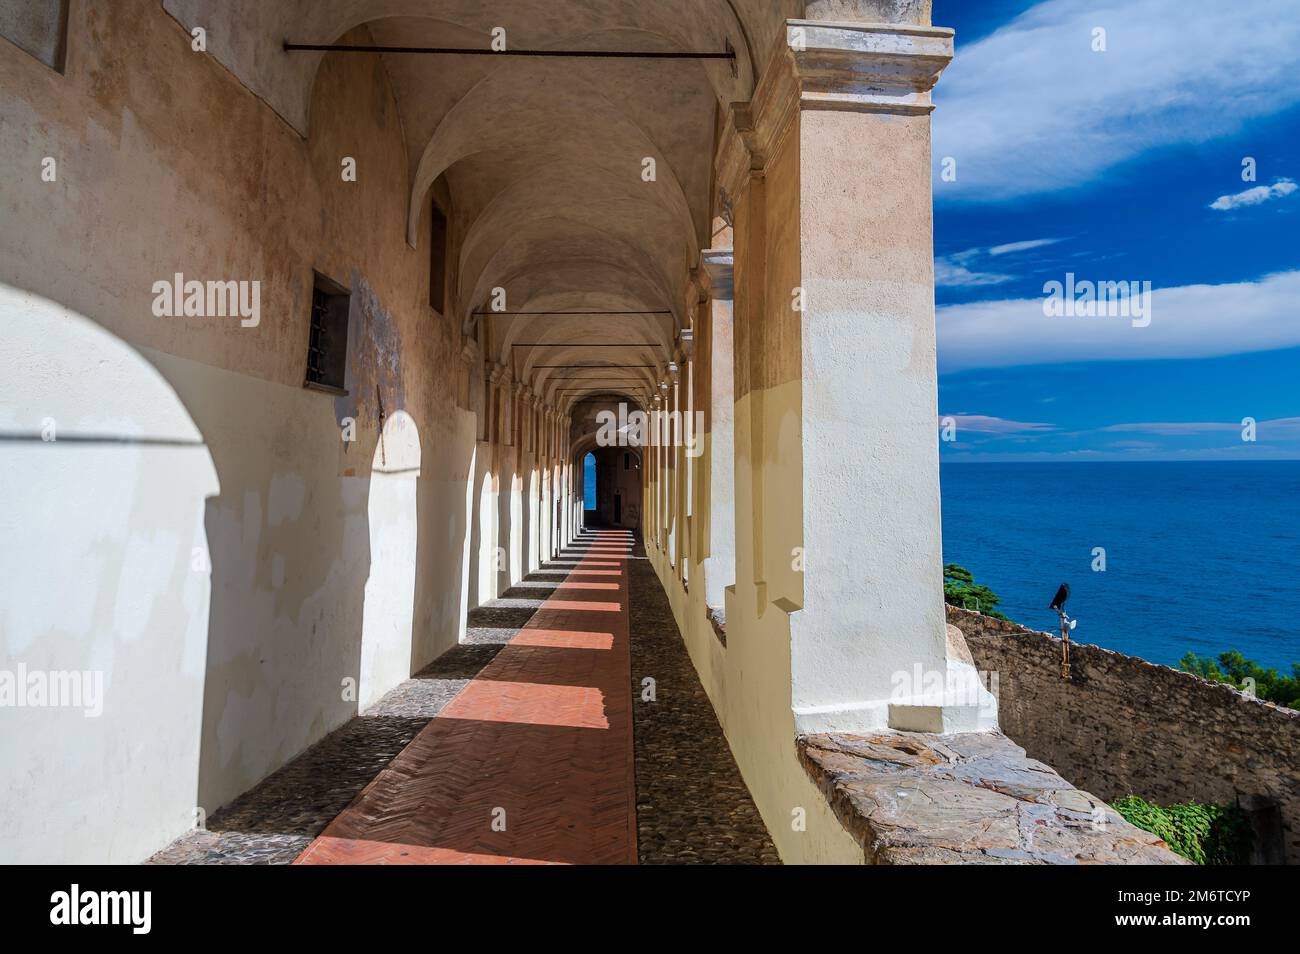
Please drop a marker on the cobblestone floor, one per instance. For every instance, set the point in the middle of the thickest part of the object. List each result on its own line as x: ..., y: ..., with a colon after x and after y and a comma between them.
x: 691, y: 804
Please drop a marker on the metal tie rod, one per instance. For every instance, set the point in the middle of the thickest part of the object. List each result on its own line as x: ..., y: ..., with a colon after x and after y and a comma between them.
x: 475, y: 51
x: 597, y: 313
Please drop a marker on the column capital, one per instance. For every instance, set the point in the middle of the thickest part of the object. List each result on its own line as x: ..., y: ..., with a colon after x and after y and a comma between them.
x: 867, y: 67
x: 717, y: 264
x: 686, y: 344
x: 869, y: 11
x: 837, y: 65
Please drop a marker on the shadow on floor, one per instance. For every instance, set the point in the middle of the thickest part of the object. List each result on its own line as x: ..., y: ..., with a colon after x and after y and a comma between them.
x: 275, y: 820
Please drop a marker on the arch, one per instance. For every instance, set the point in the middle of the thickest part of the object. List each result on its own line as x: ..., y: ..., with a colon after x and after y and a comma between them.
x: 580, y: 131
x: 589, y: 482
x: 246, y: 36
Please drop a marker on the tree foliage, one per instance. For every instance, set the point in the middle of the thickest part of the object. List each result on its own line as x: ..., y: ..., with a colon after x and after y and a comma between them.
x: 1235, y: 669
x: 1203, y: 834
x: 960, y: 589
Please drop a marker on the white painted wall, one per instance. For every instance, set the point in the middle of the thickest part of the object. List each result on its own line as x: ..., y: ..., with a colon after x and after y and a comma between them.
x: 389, y: 613
x: 212, y: 678
x: 102, y: 570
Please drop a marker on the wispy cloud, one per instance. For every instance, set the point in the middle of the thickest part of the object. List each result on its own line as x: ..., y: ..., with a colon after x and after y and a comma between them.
x: 1031, y: 108
x: 983, y: 424
x: 1279, y: 189
x: 1281, y: 426
x: 950, y: 272
x: 1191, y: 321
x: 963, y: 270
x: 1012, y: 247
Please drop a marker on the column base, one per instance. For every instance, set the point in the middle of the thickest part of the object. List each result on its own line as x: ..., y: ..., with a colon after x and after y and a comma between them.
x: 909, y: 716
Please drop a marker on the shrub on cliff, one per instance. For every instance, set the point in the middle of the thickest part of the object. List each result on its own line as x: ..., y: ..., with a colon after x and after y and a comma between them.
x: 1234, y: 669
x: 1203, y: 834
x: 960, y: 589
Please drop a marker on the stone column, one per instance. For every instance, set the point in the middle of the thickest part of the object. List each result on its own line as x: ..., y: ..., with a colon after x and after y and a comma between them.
x: 845, y: 440
x: 493, y: 410
x: 672, y: 406
x: 718, y: 474
x: 548, y: 484
x: 680, y: 385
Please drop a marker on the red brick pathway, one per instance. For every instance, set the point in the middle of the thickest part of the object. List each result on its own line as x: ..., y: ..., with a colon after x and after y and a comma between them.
x: 541, y: 740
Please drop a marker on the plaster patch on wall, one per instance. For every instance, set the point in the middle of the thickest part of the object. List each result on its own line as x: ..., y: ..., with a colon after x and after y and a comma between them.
x: 285, y: 498
x: 373, y: 378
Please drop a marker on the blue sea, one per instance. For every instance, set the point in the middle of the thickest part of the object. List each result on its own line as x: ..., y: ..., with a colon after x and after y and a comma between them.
x: 1200, y: 556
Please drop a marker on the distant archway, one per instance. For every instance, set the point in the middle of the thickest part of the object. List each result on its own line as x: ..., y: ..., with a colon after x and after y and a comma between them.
x: 612, y: 487
x: 589, y: 485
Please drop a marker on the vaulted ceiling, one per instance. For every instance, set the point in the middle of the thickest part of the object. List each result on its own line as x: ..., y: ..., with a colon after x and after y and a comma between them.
x: 542, y: 157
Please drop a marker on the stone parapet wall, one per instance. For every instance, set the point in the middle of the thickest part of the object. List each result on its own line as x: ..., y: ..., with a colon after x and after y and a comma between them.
x: 970, y: 798
x: 1121, y: 725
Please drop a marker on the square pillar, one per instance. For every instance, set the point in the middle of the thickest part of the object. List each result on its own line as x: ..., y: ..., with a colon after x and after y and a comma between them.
x: 717, y: 486
x: 844, y: 398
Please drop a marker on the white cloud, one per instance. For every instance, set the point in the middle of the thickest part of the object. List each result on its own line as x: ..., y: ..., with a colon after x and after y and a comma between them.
x: 1279, y: 427
x: 949, y: 272
x: 1279, y: 189
x: 1191, y: 321
x: 1031, y: 108
x: 954, y: 270
x: 1011, y: 247
x: 983, y: 424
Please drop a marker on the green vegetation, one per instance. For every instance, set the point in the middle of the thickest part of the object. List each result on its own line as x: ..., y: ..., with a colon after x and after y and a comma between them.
x: 1203, y: 834
x: 1234, y: 669
x: 960, y: 589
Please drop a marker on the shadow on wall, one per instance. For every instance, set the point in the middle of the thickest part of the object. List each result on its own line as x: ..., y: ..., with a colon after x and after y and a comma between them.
x: 196, y: 540
x: 105, y: 473
x: 337, y: 565
x: 290, y: 546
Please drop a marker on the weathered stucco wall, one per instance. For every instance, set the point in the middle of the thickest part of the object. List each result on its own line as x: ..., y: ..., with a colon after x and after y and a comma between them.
x: 199, y: 531
x: 1122, y: 725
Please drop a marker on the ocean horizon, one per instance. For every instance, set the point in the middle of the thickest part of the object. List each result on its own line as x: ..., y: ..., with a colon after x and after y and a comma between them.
x: 1200, y: 556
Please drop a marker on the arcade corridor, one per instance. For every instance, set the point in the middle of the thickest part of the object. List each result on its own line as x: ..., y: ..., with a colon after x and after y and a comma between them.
x: 534, y: 714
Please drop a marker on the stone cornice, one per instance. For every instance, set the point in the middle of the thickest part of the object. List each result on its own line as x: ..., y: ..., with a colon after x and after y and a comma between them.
x: 820, y: 64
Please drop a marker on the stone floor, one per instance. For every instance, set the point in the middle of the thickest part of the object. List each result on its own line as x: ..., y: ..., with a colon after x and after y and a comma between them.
x: 692, y: 805
x: 421, y: 771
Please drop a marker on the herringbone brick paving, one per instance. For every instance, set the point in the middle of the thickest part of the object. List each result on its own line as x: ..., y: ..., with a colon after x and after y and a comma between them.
x: 532, y: 762
x: 692, y: 805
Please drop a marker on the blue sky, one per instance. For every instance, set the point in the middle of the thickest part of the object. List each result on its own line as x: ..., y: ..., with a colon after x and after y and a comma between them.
x: 1119, y: 165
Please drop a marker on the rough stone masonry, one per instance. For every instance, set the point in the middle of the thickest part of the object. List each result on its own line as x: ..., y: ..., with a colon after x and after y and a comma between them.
x: 1121, y: 725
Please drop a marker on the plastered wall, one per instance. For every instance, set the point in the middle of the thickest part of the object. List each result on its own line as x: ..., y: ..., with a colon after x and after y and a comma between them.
x: 197, y: 531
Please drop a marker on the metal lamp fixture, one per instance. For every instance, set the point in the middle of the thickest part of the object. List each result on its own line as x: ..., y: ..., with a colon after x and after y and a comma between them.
x: 1067, y: 624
